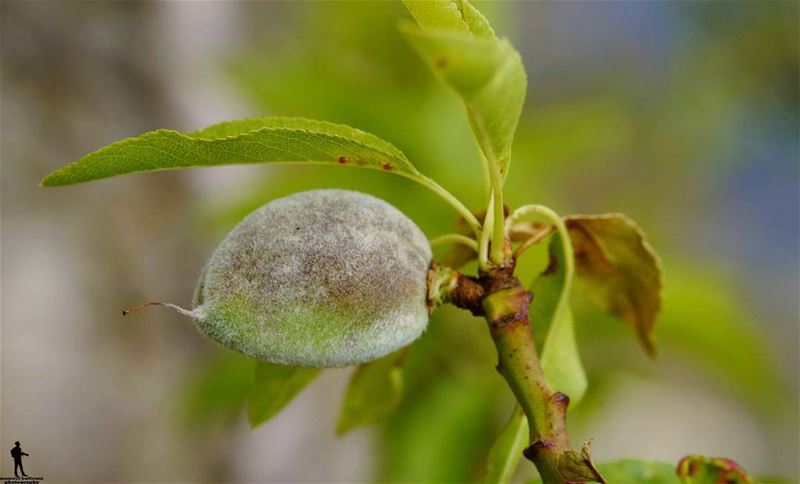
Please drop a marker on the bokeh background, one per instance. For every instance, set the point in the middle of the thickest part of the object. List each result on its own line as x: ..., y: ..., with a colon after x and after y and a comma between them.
x: 682, y: 115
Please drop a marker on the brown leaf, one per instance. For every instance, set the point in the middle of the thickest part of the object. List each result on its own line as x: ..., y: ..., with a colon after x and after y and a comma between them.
x: 528, y: 234
x: 458, y: 256
x: 522, y: 231
x: 619, y: 267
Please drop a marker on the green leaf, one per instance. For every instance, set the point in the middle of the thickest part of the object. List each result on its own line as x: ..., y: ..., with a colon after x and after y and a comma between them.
x: 439, y: 436
x: 452, y: 15
x: 698, y: 469
x: 561, y: 361
x: 619, y: 270
x: 258, y: 140
x: 489, y: 77
x: 553, y: 326
x: 475, y: 20
x: 548, y: 292
x: 437, y: 15
x: 506, y: 452
x: 644, y: 472
x: 639, y: 471
x: 215, y: 393
x: 274, y: 387
x: 374, y: 392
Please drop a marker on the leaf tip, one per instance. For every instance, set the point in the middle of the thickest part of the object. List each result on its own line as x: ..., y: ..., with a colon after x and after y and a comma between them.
x: 50, y: 180
x: 648, y: 341
x: 253, y: 418
x: 343, y: 428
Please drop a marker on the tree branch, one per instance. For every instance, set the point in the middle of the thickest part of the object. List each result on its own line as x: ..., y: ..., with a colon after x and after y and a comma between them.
x: 499, y: 296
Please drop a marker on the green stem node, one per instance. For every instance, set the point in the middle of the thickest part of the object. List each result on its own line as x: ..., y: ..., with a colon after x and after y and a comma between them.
x: 503, y: 301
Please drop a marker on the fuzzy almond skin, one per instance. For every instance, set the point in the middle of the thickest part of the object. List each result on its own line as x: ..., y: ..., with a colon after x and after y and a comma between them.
x: 324, y: 278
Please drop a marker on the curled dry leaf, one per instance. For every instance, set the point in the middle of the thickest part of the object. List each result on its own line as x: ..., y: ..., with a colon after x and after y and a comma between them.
x: 619, y: 269
x: 578, y: 466
x: 699, y: 469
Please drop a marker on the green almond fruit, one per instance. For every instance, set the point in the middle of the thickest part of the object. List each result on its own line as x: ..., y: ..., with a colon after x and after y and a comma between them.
x: 323, y: 278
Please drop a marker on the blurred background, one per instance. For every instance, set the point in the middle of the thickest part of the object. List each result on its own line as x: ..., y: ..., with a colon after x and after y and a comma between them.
x: 682, y: 115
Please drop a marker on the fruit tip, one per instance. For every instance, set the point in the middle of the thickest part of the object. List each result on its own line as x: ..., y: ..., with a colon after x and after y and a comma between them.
x: 185, y: 312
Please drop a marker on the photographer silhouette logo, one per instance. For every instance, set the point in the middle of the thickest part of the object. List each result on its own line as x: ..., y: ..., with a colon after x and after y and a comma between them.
x: 19, y: 471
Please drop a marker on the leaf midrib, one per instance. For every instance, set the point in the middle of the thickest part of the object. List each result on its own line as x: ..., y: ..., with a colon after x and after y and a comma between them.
x: 337, y: 139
